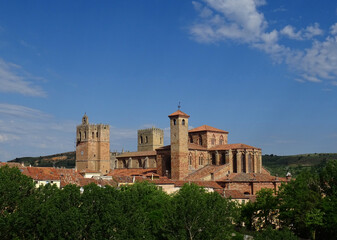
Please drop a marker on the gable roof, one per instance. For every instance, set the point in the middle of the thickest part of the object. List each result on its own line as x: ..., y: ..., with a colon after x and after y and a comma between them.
x: 179, y: 113
x: 233, y: 146
x: 206, y: 128
x: 137, y: 154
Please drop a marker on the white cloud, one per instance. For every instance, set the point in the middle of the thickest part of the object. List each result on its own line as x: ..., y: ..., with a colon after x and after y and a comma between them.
x: 240, y: 21
x: 36, y: 132
x: 333, y: 29
x: 290, y: 32
x: 14, y: 79
x: 20, y: 111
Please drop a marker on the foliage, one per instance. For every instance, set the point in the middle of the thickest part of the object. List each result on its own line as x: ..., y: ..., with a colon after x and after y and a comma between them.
x: 273, y: 234
x: 193, y: 213
x: 280, y: 165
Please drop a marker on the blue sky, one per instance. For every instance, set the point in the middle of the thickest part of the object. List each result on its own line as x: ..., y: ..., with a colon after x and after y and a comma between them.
x: 266, y: 71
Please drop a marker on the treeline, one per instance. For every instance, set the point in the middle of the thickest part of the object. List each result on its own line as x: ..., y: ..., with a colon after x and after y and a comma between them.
x: 295, y: 164
x: 306, y: 207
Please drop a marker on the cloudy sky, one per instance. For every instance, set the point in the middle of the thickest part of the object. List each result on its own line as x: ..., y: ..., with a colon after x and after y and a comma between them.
x: 266, y: 71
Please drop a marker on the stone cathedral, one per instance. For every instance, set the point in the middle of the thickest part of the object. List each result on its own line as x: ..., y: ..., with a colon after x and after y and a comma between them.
x: 202, y: 153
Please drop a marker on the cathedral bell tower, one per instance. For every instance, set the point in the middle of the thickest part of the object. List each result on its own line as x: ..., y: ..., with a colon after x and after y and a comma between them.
x: 92, y: 146
x: 179, y: 144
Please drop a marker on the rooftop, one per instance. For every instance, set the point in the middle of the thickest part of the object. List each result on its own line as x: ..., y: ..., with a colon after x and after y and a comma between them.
x: 206, y: 128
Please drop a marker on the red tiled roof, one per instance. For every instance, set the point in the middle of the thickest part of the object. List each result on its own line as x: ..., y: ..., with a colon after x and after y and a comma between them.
x: 191, y: 146
x: 196, y: 146
x: 233, y: 146
x: 235, y: 194
x: 137, y: 154
x: 207, y: 184
x: 167, y: 147
x: 67, y: 176
x: 89, y: 171
x: 206, y: 128
x: 132, y: 172
x: 249, y: 177
x: 179, y: 113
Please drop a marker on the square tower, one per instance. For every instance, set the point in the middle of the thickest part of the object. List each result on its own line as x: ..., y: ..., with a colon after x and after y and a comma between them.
x: 92, y: 146
x: 150, y: 139
x: 179, y: 145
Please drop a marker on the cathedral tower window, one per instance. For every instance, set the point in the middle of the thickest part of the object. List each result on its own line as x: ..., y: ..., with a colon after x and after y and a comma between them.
x: 190, y: 159
x: 213, y: 140
x: 200, y: 140
x: 221, y: 141
x: 201, y: 159
x: 183, y: 122
x: 97, y: 134
x: 146, y: 140
x: 141, y: 139
x: 174, y: 122
x: 93, y: 135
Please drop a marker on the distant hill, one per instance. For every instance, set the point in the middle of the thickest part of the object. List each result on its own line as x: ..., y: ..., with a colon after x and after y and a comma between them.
x: 280, y: 165
x: 66, y: 160
x: 277, y: 165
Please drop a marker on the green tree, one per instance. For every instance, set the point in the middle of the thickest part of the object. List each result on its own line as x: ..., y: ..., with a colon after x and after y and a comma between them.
x: 272, y: 234
x: 328, y: 182
x: 143, y: 211
x: 300, y: 202
x: 15, y: 188
x: 195, y: 214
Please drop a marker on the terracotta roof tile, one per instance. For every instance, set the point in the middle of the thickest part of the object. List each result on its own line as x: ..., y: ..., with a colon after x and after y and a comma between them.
x: 235, y: 194
x: 233, y: 146
x: 191, y: 146
x: 179, y: 113
x: 207, y: 184
x: 137, y: 154
x: 206, y: 128
x: 120, y: 172
x: 196, y: 146
x: 248, y: 177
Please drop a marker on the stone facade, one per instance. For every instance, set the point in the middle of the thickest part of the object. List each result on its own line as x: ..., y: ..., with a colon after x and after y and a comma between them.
x: 92, y: 146
x: 150, y: 139
x: 179, y: 145
x: 201, y: 155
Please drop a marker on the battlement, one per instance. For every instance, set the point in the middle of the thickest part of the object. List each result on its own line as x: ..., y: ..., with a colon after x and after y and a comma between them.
x: 150, y: 139
x: 153, y: 129
x: 99, y: 125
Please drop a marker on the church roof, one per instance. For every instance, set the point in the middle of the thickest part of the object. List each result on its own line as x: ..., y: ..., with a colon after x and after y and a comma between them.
x: 233, y: 146
x: 137, y: 154
x: 206, y: 128
x: 191, y: 146
x: 179, y: 113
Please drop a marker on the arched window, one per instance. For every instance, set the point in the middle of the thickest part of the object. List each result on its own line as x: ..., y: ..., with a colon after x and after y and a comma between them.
x: 85, y: 135
x: 213, y: 140
x: 183, y: 122
x: 200, y: 140
x: 243, y: 163
x: 190, y: 159
x: 174, y: 122
x: 97, y: 134
x: 191, y: 139
x: 201, y: 159
x: 146, y: 140
x: 221, y: 141
x: 93, y: 135
x: 141, y: 139
x: 161, y: 140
